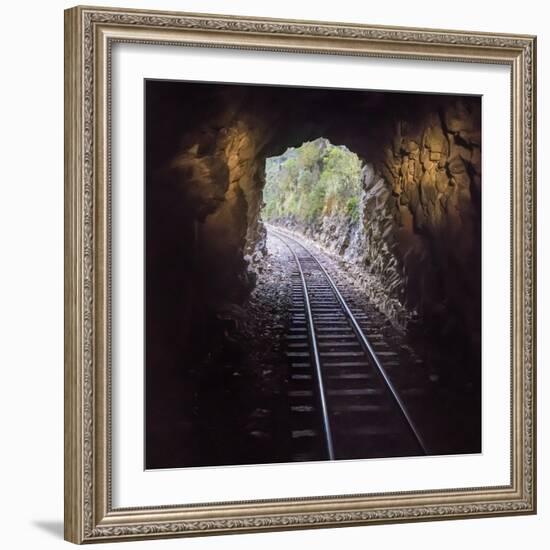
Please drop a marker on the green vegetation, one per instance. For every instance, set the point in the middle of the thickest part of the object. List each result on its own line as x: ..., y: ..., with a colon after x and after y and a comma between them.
x: 309, y: 182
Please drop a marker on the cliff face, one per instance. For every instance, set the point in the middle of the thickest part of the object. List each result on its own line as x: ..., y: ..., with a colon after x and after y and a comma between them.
x: 420, y: 235
x: 414, y: 238
x: 369, y: 247
x: 433, y: 170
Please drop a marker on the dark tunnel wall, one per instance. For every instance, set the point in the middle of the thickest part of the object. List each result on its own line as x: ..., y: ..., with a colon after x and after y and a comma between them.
x: 206, y: 147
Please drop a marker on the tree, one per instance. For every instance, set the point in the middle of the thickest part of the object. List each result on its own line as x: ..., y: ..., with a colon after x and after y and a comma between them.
x: 310, y: 181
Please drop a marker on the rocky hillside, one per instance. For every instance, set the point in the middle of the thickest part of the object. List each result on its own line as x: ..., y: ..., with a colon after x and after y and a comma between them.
x: 308, y: 184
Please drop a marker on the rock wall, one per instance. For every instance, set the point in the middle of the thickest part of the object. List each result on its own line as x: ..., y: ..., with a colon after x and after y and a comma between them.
x: 433, y: 169
x: 367, y: 245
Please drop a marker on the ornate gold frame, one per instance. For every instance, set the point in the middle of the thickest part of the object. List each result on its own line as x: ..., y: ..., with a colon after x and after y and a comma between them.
x: 89, y: 35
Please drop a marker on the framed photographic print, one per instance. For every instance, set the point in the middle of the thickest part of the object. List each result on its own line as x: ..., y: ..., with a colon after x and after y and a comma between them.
x: 300, y: 274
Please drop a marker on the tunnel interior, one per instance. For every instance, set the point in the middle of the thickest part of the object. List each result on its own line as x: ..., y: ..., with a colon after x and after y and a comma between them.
x: 410, y: 232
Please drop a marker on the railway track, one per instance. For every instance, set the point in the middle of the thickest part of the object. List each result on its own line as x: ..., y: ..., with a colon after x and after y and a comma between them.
x: 343, y: 405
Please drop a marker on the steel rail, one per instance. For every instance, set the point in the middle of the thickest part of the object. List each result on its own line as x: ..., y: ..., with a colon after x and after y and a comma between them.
x: 366, y: 344
x: 316, y: 357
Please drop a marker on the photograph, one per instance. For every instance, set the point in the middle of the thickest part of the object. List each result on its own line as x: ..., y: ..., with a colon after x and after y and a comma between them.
x: 312, y: 274
x: 300, y: 273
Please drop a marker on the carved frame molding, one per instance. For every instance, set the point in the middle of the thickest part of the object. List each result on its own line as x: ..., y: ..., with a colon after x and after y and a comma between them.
x: 89, y: 35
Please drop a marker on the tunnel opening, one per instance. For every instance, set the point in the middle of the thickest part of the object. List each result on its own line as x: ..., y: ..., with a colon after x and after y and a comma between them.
x: 396, y: 211
x: 313, y: 187
x: 308, y: 183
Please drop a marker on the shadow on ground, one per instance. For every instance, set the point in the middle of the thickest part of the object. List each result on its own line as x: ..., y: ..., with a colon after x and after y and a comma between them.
x: 52, y: 527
